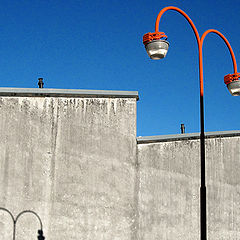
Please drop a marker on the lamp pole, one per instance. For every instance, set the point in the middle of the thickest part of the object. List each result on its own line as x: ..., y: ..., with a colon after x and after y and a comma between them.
x: 14, y: 220
x: 157, y: 46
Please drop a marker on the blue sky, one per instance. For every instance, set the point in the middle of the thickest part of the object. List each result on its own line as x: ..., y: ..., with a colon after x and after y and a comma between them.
x: 97, y: 44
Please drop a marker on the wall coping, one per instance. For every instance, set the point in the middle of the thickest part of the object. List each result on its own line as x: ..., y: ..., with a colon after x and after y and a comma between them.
x: 186, y: 136
x: 77, y: 93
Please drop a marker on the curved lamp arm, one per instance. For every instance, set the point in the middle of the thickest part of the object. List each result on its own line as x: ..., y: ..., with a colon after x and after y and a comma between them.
x: 29, y: 211
x: 13, y: 219
x: 227, y: 43
x: 182, y: 13
x: 196, y: 35
x: 231, y: 80
x: 11, y: 215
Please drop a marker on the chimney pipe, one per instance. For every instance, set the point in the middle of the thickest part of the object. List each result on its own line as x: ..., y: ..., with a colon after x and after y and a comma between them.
x: 182, y: 128
x: 40, y: 82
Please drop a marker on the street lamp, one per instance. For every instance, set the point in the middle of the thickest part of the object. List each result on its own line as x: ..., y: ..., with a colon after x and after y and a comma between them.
x: 233, y: 84
x: 40, y: 231
x: 156, y: 47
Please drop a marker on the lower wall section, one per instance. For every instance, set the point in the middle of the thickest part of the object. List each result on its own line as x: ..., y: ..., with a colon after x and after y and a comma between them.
x: 169, y: 180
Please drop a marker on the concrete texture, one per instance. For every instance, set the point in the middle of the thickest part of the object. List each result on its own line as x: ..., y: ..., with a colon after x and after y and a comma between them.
x: 169, y: 174
x: 72, y: 160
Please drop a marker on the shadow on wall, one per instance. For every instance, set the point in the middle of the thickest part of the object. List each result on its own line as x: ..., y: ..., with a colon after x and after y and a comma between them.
x: 40, y: 231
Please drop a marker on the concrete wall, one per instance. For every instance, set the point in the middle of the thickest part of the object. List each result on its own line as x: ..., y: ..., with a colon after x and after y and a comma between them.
x: 76, y: 162
x: 169, y: 175
x: 72, y: 160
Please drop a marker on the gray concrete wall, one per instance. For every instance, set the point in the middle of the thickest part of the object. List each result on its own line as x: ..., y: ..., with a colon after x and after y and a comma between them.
x: 72, y: 160
x: 168, y: 176
x: 75, y: 161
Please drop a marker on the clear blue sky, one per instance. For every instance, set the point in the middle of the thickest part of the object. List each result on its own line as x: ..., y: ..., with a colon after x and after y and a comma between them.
x: 97, y: 44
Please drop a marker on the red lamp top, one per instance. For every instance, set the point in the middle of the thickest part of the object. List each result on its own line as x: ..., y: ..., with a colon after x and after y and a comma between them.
x: 231, y: 77
x: 149, y: 37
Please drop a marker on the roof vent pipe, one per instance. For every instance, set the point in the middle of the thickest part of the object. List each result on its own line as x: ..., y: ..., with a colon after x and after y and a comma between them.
x: 40, y: 82
x: 182, y: 128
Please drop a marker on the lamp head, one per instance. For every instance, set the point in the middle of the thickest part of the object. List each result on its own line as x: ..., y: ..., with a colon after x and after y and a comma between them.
x: 40, y: 235
x: 233, y: 83
x: 156, y: 45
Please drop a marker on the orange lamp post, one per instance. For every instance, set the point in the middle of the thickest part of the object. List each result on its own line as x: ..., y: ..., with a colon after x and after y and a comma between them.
x: 156, y: 45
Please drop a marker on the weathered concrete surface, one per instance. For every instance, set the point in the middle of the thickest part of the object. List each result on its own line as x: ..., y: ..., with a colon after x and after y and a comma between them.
x: 169, y: 173
x: 72, y: 160
x: 75, y: 161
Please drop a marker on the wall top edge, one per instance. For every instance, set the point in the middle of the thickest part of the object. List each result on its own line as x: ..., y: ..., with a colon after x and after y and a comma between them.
x: 77, y: 93
x: 186, y: 136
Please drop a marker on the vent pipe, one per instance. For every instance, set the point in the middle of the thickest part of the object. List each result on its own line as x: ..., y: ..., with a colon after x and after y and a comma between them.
x: 40, y: 82
x: 182, y: 128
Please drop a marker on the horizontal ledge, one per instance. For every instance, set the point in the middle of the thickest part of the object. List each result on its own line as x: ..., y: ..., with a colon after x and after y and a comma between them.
x: 186, y: 136
x: 78, y: 93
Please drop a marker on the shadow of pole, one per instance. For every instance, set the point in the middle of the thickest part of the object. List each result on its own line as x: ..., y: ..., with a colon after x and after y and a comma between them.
x: 14, y: 220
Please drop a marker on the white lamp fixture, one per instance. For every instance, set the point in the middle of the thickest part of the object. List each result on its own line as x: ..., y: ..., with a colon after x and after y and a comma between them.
x: 157, y: 49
